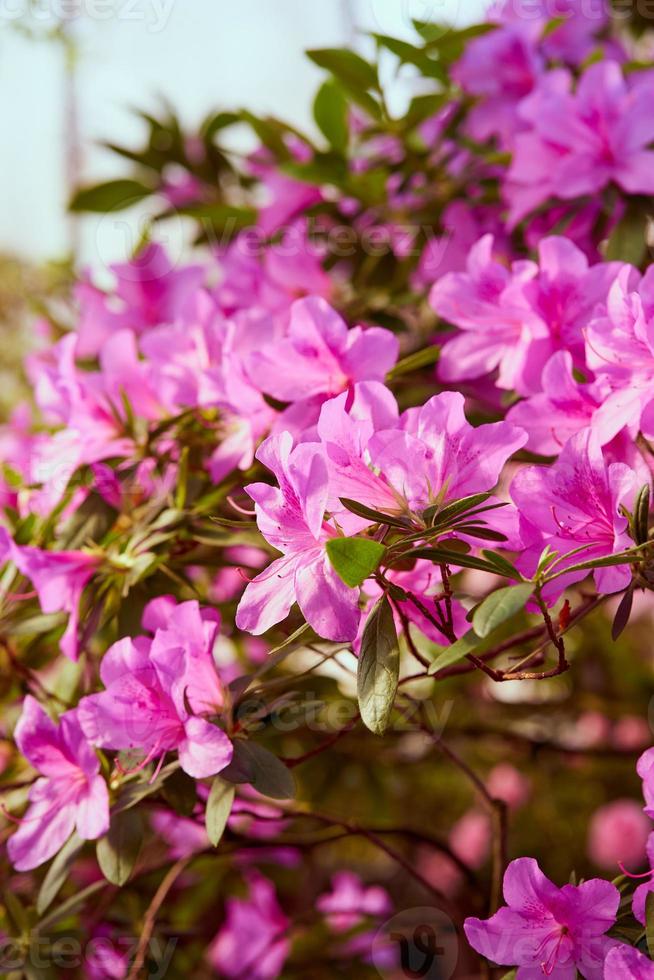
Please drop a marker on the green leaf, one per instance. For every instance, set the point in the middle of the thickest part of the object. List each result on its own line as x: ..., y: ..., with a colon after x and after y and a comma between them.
x: 179, y: 791
x: 441, y: 556
x: 457, y: 651
x: 378, y: 668
x: 353, y: 73
x: 58, y: 872
x: 330, y: 113
x: 345, y: 65
x: 500, y: 606
x: 114, y: 195
x: 377, y: 516
x: 623, y: 612
x: 118, y: 850
x: 627, y: 242
x: 641, y: 515
x: 414, y: 362
x: 214, y: 123
x: 253, y: 764
x: 219, y: 806
x: 485, y: 533
x: 504, y: 566
x: 409, y: 54
x: 354, y: 559
x: 445, y: 515
x: 649, y: 923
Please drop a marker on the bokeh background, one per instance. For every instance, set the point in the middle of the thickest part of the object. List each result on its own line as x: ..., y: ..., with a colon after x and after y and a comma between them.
x: 71, y: 71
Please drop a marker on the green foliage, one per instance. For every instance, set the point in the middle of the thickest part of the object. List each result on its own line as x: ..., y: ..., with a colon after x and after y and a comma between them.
x: 354, y: 559
x: 378, y: 668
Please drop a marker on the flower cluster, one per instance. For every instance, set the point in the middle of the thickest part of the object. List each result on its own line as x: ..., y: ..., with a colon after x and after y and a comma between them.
x: 271, y: 503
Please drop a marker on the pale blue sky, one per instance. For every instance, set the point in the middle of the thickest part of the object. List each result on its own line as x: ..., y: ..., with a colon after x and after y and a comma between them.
x: 198, y: 53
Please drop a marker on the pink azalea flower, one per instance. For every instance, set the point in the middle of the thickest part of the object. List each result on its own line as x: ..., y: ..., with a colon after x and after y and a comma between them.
x: 149, y: 291
x: 620, y: 350
x: 470, y: 838
x: 292, y: 520
x: 350, y: 902
x: 572, y: 40
x: 59, y: 577
x: 626, y: 963
x: 618, y: 833
x: 547, y: 930
x: 161, y: 692
x: 252, y: 943
x: 579, y: 142
x: 507, y: 783
x: 463, y: 223
x: 639, y: 901
x: 70, y: 795
x: 514, y: 319
x: 320, y: 356
x: 256, y: 276
x: 501, y: 67
x: 645, y: 769
x: 575, y: 503
x: 432, y: 455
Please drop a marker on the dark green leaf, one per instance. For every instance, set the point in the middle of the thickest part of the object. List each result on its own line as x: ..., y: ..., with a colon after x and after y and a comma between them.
x: 58, y: 872
x: 118, y: 850
x: 378, y: 668
x: 445, y: 514
x: 500, y: 606
x: 114, y: 195
x: 219, y: 806
x: 330, y: 112
x: 504, y: 566
x: 372, y: 515
x: 485, y: 533
x: 179, y: 791
x: 354, y: 559
x: 622, y: 614
x: 440, y: 556
x: 253, y: 764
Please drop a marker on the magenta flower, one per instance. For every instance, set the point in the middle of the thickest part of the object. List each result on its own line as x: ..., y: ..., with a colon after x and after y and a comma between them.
x: 59, y: 577
x: 620, y: 350
x: 645, y: 769
x: 545, y: 930
x: 572, y: 504
x: 252, y: 943
x: 580, y: 142
x: 350, y: 901
x: 161, y: 692
x: 501, y: 68
x: 514, y: 319
x: 436, y: 455
x: 149, y: 290
x: 320, y: 356
x: 572, y: 40
x: 639, y: 900
x: 626, y: 963
x: 292, y: 520
x: 70, y: 795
